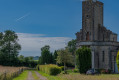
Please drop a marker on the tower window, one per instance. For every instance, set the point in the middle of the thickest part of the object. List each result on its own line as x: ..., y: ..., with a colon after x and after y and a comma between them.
x: 87, y: 36
x: 87, y: 16
x: 103, y: 56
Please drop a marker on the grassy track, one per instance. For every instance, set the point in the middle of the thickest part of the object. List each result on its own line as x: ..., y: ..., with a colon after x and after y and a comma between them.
x: 49, y: 77
x: 22, y: 76
x: 34, y: 75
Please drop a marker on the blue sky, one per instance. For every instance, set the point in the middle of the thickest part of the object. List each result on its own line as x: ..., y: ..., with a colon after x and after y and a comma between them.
x: 49, y: 19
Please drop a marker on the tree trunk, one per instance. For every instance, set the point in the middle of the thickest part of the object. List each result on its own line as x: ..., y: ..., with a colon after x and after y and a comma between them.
x: 64, y: 67
x: 74, y: 57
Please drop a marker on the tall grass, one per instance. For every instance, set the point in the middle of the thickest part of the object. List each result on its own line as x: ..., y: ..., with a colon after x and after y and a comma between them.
x: 8, y: 73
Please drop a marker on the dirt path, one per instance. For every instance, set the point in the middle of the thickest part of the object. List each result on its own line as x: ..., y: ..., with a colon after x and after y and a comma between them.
x: 30, y: 77
x: 40, y: 76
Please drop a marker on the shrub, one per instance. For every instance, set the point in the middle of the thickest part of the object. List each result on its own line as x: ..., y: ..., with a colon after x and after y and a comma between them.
x: 75, y: 70
x: 83, y: 58
x: 50, y: 69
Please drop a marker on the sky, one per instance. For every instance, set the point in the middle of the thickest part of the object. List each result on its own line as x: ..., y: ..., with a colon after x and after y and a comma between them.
x: 49, y: 22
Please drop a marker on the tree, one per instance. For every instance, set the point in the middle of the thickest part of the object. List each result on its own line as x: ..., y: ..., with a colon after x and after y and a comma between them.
x: 46, y: 56
x: 46, y: 47
x: 72, y: 48
x: 21, y: 60
x: 55, y: 57
x: 9, y: 47
x: 83, y: 59
x: 64, y: 57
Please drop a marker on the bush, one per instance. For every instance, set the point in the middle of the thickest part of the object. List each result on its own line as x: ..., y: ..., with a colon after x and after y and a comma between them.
x: 83, y: 58
x: 50, y: 69
x: 75, y: 70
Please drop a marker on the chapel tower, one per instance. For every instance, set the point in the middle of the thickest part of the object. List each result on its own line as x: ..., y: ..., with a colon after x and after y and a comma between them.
x: 102, y: 41
x: 92, y: 17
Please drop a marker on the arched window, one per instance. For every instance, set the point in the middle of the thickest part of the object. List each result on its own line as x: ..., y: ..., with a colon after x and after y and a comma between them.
x: 87, y: 36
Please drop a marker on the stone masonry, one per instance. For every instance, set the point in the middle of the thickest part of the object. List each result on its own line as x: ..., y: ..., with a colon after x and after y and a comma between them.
x: 94, y: 35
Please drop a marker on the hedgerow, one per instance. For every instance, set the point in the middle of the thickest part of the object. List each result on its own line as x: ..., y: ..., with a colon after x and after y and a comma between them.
x: 49, y: 69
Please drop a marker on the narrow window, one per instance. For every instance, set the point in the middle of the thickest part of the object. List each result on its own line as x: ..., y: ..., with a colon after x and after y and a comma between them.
x: 87, y: 36
x: 103, y: 56
x: 87, y: 16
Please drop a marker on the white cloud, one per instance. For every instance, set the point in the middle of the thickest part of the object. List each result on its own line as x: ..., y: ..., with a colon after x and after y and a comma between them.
x: 32, y: 43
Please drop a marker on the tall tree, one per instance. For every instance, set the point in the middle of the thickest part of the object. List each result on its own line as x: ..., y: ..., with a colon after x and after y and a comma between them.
x: 46, y: 56
x: 64, y: 57
x: 72, y: 48
x: 55, y: 57
x: 83, y: 59
x: 9, y: 47
x: 46, y: 47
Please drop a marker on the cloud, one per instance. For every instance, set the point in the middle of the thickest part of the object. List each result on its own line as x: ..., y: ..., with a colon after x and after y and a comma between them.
x: 22, y: 17
x: 32, y: 43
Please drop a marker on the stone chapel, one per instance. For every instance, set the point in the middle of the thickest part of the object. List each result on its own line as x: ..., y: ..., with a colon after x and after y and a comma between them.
x: 103, y: 42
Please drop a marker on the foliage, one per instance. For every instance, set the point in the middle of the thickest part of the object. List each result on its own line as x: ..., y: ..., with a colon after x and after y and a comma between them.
x: 27, y: 61
x: 117, y: 60
x: 64, y: 57
x: 72, y: 46
x: 9, y: 48
x: 55, y: 57
x: 46, y: 56
x: 49, y: 69
x: 62, y: 67
x: 83, y: 59
x: 75, y: 70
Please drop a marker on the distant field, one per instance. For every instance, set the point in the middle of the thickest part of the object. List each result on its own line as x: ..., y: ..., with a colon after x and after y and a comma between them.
x: 35, y: 60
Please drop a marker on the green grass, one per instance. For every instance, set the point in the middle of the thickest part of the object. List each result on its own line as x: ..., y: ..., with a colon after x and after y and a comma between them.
x: 22, y: 76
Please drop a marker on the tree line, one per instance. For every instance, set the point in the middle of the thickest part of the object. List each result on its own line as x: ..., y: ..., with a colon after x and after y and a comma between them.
x: 78, y: 58
x: 9, y: 51
x: 68, y: 56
